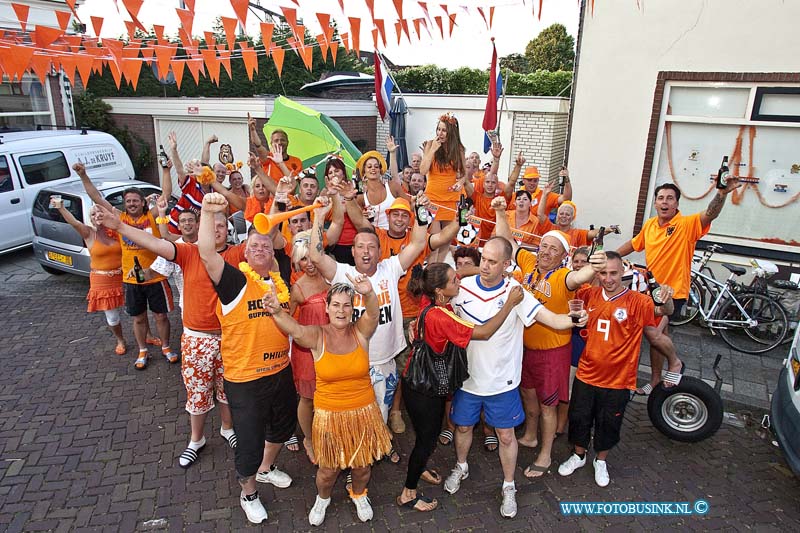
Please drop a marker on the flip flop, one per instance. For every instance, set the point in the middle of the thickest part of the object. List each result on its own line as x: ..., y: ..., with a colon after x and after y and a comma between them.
x: 431, y: 476
x: 120, y: 349
x: 643, y: 391
x: 490, y: 440
x: 190, y: 456
x: 153, y: 341
x: 412, y: 504
x: 292, y: 442
x: 141, y: 361
x: 542, y: 470
x: 445, y: 437
x: 393, y: 453
x: 673, y: 378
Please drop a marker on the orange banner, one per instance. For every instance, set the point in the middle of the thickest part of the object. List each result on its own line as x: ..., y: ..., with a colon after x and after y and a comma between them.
x: 195, y: 67
x: 63, y: 19
x: 225, y: 60
x: 164, y: 55
x: 187, y: 19
x: 189, y: 5
x: 355, y: 34
x: 240, y: 8
x: 45, y: 36
x: 438, y: 20
x: 334, y: 50
x: 250, y: 61
x: 323, y: 46
x: 381, y: 30
x: 212, y: 65
x: 371, y: 7
x: 266, y: 34
x: 16, y: 61
x: 131, y: 69
x: 159, y: 31
x: 21, y: 11
x: 229, y: 25
x: 84, y: 64
x: 177, y: 66
x: 68, y: 64
x: 40, y: 64
x: 277, y: 56
x: 452, y: 22
x: 307, y: 55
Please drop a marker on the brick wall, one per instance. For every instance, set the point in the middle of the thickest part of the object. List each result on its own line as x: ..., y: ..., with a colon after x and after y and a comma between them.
x: 383, y: 130
x: 58, y: 105
x: 142, y: 125
x: 541, y: 137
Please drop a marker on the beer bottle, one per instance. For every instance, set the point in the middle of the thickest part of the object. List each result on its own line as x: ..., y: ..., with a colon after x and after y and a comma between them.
x: 422, y: 213
x: 722, y: 174
x: 163, y: 160
x: 138, y: 271
x: 463, y: 211
x: 655, y: 289
x: 597, y: 242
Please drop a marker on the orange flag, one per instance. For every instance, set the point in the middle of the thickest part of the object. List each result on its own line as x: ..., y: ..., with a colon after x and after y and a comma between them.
x: 74, y: 42
x: 266, y: 35
x: 195, y: 67
x: 240, y: 8
x: 491, y: 17
x: 40, y: 63
x: 307, y: 55
x: 416, y: 28
x: 131, y: 69
x: 334, y: 48
x: 398, y: 6
x: 97, y: 24
x: 398, y: 31
x: 68, y: 64
x: 45, y: 36
x: 381, y: 30
x: 16, y: 61
x: 229, y: 25
x: 250, y: 61
x: 225, y: 59
x: 375, y: 38
x: 84, y: 64
x: 177, y: 71
x: 438, y: 20
x: 147, y: 54
x: 290, y: 14
x: 187, y: 19
x: 345, y: 37
x: 190, y: 5
x: 323, y: 47
x: 452, y: 22
x: 371, y: 7
x: 63, y: 19
x: 131, y: 27
x: 324, y: 23
x: 277, y: 54
x: 211, y: 39
x: 71, y: 4
x: 133, y: 7
x: 22, y: 15
x: 355, y: 34
x: 159, y: 31
x: 212, y: 64
x: 164, y: 55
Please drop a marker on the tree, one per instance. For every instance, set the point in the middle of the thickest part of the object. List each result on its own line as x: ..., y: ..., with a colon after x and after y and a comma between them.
x: 553, y: 49
x: 515, y: 63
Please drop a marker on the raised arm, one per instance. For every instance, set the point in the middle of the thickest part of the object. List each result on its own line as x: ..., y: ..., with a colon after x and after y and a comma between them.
x: 625, y: 249
x: 428, y: 150
x: 718, y: 202
x: 257, y: 170
x: 501, y: 227
x: 206, y: 243
x: 497, y: 151
x: 326, y: 265
x: 396, y: 182
x: 512, y: 178
x: 334, y: 230
x: 576, y: 278
x: 91, y: 190
x: 541, y: 209
x: 172, y: 144
x: 255, y: 139
x: 233, y: 199
x: 163, y: 228
x: 419, y: 234
x: 566, y: 194
x: 367, y: 323
x: 205, y: 157
x: 86, y: 232
x: 306, y: 336
x: 487, y: 329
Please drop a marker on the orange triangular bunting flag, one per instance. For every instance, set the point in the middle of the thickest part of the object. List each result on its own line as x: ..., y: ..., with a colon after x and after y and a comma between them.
x: 164, y: 55
x: 371, y: 7
x: 84, y: 64
x: 398, y: 31
x: 240, y: 8
x: 345, y: 37
x: 131, y: 69
x: 266, y: 35
x: 452, y: 22
x: 133, y: 6
x: 187, y: 19
x: 74, y: 41
x: 225, y: 59
x: 97, y: 24
x: 190, y: 5
x: 290, y: 14
x: 45, y: 36
x: 229, y: 25
x: 404, y: 25
x: 177, y: 71
x: 212, y: 64
x: 131, y: 50
x: 324, y: 22
x: 40, y: 64
x: 355, y: 34
x: 491, y: 17
x: 195, y: 66
x: 71, y: 4
x: 398, y: 6
x: 115, y: 47
x: 277, y: 57
x: 115, y: 73
x: 131, y: 27
x: 416, y: 28
x: 307, y: 55
x: 210, y: 38
x: 323, y: 47
x: 334, y: 50
x: 17, y: 60
x: 381, y: 30
x: 159, y: 31
x: 250, y: 61
x: 68, y: 65
x: 375, y: 38
x: 63, y: 19
x: 22, y: 15
x: 438, y: 20
x: 147, y: 54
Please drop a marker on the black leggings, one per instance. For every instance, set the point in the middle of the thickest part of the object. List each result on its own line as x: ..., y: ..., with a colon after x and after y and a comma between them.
x: 426, y: 413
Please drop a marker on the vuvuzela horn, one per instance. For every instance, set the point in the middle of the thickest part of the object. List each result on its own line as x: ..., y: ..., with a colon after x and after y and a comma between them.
x: 264, y: 223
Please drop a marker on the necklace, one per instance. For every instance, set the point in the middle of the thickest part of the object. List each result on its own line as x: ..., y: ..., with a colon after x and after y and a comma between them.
x: 283, y: 291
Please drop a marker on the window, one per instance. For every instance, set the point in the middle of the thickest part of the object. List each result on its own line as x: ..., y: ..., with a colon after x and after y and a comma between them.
x: 6, y: 183
x: 41, y: 206
x: 25, y: 104
x: 117, y: 200
x: 41, y: 168
x: 778, y: 104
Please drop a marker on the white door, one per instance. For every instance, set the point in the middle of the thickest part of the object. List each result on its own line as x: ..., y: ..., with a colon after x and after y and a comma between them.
x: 15, y: 216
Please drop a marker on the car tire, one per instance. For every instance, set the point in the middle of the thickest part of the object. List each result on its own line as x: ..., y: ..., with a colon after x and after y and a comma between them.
x: 53, y: 271
x: 689, y: 412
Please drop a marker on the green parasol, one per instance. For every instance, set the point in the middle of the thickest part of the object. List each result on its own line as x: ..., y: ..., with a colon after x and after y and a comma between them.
x: 312, y: 135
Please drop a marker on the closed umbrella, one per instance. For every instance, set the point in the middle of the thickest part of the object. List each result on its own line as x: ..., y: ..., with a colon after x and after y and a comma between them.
x: 397, y: 114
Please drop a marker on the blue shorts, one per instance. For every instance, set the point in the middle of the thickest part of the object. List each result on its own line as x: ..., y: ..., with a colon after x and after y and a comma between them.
x: 502, y: 410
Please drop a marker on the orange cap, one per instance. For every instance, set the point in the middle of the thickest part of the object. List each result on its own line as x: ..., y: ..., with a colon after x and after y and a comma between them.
x: 531, y: 173
x: 400, y: 203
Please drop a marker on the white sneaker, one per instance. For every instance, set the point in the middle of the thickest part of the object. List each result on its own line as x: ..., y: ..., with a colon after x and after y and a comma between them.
x: 572, y: 464
x: 253, y: 509
x: 274, y: 476
x: 601, y: 473
x: 453, y: 481
x: 363, y: 508
x: 317, y: 514
x: 509, y: 507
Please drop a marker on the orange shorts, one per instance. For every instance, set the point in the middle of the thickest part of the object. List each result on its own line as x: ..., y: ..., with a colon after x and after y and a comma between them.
x: 201, y: 368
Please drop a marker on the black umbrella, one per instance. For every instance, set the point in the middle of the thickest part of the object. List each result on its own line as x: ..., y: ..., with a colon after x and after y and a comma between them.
x: 397, y: 115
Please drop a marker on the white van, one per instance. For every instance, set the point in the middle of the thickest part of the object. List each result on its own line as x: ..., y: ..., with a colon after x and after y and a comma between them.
x: 33, y: 160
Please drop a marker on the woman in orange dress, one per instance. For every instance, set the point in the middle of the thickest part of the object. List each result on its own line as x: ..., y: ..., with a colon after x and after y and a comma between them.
x: 444, y: 166
x: 105, y: 279
x: 348, y: 429
x: 523, y: 219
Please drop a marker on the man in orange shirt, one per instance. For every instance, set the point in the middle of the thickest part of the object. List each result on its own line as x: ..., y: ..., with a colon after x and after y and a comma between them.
x: 668, y: 240
x: 607, y: 370
x: 530, y: 183
x: 276, y: 163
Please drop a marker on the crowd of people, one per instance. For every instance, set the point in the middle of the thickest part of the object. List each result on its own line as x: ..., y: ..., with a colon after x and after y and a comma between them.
x: 434, y: 288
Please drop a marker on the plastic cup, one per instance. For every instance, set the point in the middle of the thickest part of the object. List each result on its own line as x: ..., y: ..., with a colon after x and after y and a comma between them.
x: 55, y: 200
x: 575, y: 307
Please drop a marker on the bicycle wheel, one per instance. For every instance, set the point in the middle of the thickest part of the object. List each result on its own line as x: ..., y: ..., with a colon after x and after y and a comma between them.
x: 769, y: 331
x: 695, y: 302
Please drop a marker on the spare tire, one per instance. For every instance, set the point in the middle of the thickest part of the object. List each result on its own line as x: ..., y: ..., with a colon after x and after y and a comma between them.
x: 688, y: 412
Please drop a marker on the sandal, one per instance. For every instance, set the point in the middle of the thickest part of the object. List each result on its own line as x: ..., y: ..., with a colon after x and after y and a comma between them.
x: 489, y: 441
x: 396, y: 423
x: 445, y: 437
x: 292, y: 442
x: 171, y: 356
x: 540, y: 470
x: 412, y: 503
x: 392, y: 454
x: 153, y: 341
x: 141, y: 361
x: 673, y: 379
x: 643, y: 391
x: 120, y: 349
x: 189, y: 457
x: 431, y: 476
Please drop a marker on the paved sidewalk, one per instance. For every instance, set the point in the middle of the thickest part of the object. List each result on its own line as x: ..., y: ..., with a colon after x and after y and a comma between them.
x: 89, y: 443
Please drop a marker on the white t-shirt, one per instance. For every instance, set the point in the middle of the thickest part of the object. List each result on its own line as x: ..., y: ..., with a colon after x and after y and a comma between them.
x: 495, y: 364
x: 381, y: 218
x: 388, y: 339
x: 168, y: 268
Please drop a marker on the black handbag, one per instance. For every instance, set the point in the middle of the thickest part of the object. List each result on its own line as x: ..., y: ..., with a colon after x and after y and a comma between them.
x: 432, y: 373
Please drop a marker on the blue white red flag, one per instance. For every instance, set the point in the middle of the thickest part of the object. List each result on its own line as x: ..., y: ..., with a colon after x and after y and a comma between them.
x: 383, y: 88
x: 495, y: 90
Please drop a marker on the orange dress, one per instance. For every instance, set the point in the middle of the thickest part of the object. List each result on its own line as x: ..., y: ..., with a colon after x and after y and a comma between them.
x: 311, y: 312
x: 105, y: 279
x: 348, y: 429
x: 438, y: 191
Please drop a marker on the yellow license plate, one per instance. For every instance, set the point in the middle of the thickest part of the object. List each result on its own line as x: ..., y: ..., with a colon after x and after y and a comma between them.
x: 795, y: 367
x: 60, y: 258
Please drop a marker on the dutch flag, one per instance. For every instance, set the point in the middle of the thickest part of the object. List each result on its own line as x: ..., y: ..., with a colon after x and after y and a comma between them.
x: 490, y: 113
x: 383, y: 89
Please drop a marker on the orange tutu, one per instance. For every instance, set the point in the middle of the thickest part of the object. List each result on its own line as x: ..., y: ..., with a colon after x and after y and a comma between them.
x: 105, y: 292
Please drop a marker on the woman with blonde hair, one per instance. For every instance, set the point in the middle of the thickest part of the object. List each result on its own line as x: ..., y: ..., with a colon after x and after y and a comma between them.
x: 348, y: 429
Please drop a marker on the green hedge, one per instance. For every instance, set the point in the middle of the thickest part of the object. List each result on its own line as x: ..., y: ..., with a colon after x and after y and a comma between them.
x: 430, y: 79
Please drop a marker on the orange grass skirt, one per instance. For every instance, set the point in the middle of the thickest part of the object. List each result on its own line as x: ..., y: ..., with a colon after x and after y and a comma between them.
x: 105, y: 292
x: 350, y: 439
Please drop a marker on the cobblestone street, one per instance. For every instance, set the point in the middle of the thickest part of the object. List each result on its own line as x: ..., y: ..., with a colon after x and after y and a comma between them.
x: 90, y: 443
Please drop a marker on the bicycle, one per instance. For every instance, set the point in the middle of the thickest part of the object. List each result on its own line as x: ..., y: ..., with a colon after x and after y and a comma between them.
x: 699, y: 291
